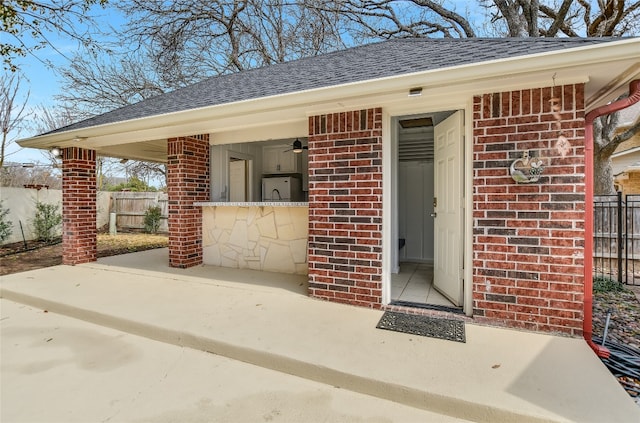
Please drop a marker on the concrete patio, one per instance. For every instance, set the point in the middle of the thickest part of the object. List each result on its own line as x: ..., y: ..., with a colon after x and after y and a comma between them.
x: 266, y: 319
x: 57, y: 369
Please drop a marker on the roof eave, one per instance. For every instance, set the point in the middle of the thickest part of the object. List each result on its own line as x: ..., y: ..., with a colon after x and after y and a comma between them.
x: 553, y: 60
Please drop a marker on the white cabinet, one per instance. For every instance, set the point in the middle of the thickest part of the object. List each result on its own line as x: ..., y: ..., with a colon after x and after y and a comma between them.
x: 275, y: 159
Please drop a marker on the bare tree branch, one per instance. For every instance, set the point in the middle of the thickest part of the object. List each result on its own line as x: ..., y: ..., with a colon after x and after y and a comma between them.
x: 449, y: 15
x: 12, y: 110
x: 198, y: 38
x: 173, y: 44
x: 558, y: 17
x: 607, y: 138
x: 565, y: 25
x: 586, y: 15
x: 388, y: 19
x: 19, y: 175
x: 515, y: 21
x: 34, y: 20
x: 146, y: 171
x: 93, y: 85
x: 627, y: 134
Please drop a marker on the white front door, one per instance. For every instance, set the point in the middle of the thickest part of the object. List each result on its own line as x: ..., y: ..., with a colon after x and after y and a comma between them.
x: 448, y: 152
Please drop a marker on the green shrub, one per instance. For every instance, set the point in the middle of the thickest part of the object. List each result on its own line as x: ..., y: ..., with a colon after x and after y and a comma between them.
x: 134, y: 184
x: 5, y: 225
x: 606, y: 284
x: 46, y: 221
x: 152, y: 218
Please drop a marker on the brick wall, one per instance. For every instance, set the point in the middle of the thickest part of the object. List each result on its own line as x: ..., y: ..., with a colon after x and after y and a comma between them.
x: 345, y: 207
x: 630, y: 185
x: 528, y: 239
x: 79, y: 190
x: 188, y: 182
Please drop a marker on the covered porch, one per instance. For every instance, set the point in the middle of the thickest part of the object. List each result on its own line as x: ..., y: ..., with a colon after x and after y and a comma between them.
x: 512, y: 254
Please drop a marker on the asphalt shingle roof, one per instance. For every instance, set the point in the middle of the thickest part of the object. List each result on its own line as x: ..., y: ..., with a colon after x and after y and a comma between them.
x: 372, y: 61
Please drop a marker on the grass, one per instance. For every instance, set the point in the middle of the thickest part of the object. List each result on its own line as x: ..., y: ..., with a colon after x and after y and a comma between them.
x: 131, y: 243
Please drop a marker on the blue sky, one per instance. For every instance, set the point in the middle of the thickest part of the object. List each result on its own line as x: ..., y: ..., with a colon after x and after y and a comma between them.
x: 42, y: 83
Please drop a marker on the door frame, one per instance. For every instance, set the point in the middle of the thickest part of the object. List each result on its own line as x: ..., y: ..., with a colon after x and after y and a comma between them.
x: 390, y: 253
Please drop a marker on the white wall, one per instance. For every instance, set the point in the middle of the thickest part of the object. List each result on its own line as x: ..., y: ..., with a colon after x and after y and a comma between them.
x: 219, y: 171
x: 104, y: 206
x: 620, y: 162
x: 414, y: 211
x: 21, y: 203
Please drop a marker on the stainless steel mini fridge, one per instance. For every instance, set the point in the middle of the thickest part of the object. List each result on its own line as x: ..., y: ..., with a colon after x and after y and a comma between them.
x: 282, y: 188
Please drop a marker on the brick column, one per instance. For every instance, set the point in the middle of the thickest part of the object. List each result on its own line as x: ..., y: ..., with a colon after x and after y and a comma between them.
x: 345, y: 207
x: 188, y: 182
x: 79, y: 190
x: 528, y: 239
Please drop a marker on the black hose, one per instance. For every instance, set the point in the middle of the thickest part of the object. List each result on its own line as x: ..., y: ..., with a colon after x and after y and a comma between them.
x: 623, y: 363
x: 37, y: 247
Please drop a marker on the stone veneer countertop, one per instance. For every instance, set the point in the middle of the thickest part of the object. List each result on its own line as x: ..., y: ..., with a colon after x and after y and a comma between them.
x: 253, y: 204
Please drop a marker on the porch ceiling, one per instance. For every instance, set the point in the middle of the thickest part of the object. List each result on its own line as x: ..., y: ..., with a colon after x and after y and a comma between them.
x: 150, y: 151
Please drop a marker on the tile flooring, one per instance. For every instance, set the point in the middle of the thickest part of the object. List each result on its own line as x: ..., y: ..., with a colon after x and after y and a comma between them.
x: 414, y: 283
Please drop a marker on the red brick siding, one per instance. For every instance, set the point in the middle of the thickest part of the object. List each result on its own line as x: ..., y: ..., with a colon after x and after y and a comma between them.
x: 528, y: 239
x: 188, y: 182
x: 345, y: 207
x: 79, y: 190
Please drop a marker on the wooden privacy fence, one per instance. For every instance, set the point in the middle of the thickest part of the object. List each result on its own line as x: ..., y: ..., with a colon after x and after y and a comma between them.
x: 130, y: 208
x: 616, y: 238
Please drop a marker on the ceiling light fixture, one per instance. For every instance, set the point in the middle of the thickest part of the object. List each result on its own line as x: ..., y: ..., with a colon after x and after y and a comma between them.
x: 57, y: 152
x: 415, y: 92
x: 297, y: 146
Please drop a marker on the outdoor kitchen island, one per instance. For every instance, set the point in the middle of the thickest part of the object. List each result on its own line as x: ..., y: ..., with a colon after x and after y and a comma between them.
x: 267, y: 236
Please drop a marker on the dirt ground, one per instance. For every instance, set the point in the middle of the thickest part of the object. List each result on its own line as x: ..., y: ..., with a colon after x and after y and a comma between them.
x: 16, y: 258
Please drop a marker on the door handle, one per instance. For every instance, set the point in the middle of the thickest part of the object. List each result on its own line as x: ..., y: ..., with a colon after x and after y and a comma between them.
x: 434, y: 214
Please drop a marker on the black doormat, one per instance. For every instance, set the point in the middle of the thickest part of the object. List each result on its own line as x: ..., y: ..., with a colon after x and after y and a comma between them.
x: 451, y: 330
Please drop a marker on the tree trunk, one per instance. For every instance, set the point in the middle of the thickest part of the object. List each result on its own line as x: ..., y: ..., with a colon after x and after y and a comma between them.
x: 602, y: 175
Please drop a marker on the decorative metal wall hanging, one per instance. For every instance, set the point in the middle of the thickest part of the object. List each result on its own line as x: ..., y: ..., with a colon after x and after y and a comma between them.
x: 526, y: 169
x: 562, y: 146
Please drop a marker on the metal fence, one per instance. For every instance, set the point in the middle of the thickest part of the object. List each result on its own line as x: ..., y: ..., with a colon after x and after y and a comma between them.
x: 616, y: 238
